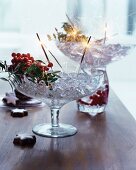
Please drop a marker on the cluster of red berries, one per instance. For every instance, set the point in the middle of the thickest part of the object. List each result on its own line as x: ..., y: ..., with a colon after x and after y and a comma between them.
x: 26, y: 60
x: 99, y: 98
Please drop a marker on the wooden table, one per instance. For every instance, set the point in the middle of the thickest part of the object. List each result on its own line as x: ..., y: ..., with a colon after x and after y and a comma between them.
x: 104, y: 142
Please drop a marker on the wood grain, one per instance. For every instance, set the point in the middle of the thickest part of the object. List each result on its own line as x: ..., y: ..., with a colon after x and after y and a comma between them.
x: 104, y: 142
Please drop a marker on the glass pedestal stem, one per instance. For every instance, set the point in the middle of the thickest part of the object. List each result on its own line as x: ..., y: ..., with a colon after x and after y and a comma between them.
x: 54, y: 117
x: 54, y: 129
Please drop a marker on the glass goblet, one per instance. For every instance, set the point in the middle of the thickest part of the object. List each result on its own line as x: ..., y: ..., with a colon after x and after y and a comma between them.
x: 97, y: 56
x: 69, y: 87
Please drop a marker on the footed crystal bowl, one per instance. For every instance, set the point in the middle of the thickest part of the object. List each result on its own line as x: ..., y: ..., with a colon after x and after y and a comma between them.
x: 97, y: 54
x: 68, y: 87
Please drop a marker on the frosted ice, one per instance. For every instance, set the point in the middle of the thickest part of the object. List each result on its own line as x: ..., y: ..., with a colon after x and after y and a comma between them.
x: 67, y: 88
x: 98, y: 55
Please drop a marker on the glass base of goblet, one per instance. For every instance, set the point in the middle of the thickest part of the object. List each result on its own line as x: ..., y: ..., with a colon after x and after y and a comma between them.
x: 46, y: 130
x: 91, y: 110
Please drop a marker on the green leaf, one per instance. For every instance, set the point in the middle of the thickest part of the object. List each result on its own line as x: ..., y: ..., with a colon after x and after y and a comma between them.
x: 2, y: 65
x: 40, y: 61
x: 11, y: 85
x: 16, y: 78
x: 56, y: 75
x: 2, y: 78
x: 56, y: 72
x: 53, y: 80
x: 54, y: 36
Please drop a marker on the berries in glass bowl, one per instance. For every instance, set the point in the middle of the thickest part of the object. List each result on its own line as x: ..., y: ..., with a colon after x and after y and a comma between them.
x: 96, y: 103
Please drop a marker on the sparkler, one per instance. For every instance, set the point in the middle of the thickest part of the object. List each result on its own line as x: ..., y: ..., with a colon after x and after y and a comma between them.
x: 105, y: 33
x: 43, y: 48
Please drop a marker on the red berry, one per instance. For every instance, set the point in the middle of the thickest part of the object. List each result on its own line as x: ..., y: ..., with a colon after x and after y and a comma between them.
x: 32, y: 59
x: 29, y: 61
x: 25, y: 59
x: 10, y: 68
x: 28, y: 64
x: 50, y: 64
x: 99, y: 92
x: 18, y: 54
x: 46, y: 68
x: 13, y: 54
x: 38, y: 64
x: 24, y: 55
x: 107, y: 86
x: 28, y: 55
x: 91, y: 97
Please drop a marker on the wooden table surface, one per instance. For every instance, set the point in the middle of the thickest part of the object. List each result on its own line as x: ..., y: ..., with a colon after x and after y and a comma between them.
x: 104, y: 142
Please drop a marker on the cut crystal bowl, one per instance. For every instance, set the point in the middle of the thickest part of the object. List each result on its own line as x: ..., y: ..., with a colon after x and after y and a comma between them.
x: 69, y: 87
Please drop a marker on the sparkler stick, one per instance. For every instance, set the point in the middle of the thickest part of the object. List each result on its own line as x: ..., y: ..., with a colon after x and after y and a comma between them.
x: 48, y: 50
x: 85, y: 50
x: 43, y: 47
x: 105, y: 33
x: 70, y: 20
x: 54, y: 58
